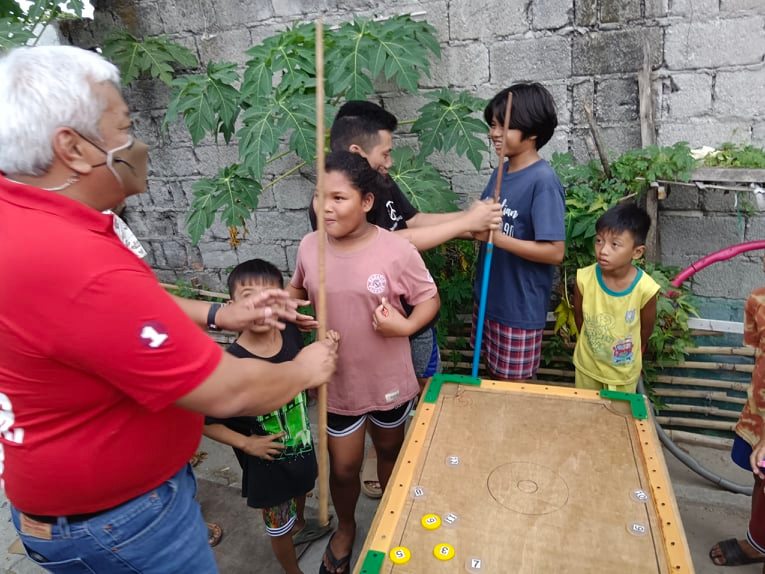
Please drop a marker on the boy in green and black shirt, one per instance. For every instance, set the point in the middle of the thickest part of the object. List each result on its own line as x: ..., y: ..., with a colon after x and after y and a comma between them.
x: 275, y: 450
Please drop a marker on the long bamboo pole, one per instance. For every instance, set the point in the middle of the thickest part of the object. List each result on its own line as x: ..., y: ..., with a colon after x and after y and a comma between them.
x: 321, y: 304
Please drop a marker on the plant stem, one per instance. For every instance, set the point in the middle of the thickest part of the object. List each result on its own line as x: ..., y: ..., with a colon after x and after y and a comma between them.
x: 287, y: 173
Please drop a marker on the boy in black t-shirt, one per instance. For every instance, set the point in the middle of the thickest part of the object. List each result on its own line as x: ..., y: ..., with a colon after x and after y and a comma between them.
x: 275, y: 450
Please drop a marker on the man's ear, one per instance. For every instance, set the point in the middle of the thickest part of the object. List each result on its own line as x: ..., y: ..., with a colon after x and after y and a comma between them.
x: 357, y: 149
x: 367, y: 202
x: 638, y: 252
x: 70, y: 149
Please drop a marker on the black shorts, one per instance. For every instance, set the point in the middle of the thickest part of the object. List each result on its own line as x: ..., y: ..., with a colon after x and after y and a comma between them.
x: 344, y: 425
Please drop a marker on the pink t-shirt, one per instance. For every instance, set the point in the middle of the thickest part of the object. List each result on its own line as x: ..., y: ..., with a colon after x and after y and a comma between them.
x: 373, y: 372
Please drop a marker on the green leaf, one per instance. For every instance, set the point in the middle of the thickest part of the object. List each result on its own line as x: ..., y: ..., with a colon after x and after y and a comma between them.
x: 156, y: 57
x: 446, y: 123
x: 76, y: 6
x: 298, y: 116
x: 13, y: 33
x: 258, y: 75
x: 259, y: 136
x: 11, y: 10
x: 208, y: 103
x: 231, y: 192
x: 423, y: 185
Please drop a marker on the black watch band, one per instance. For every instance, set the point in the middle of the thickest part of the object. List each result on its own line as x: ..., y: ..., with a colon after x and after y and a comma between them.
x: 211, y: 317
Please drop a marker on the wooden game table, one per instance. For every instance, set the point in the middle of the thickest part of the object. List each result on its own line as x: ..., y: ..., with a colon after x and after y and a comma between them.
x: 500, y: 477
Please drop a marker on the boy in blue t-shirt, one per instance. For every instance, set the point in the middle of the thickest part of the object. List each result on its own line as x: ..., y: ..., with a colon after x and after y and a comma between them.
x: 531, y: 241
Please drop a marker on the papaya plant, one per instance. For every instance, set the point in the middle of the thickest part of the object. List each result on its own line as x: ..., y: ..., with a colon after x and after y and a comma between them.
x: 270, y: 112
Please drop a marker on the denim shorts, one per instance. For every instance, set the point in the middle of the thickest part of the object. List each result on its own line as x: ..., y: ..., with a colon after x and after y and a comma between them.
x: 161, y: 531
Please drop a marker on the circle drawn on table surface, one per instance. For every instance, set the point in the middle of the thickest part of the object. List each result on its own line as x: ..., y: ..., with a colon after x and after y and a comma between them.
x: 528, y: 488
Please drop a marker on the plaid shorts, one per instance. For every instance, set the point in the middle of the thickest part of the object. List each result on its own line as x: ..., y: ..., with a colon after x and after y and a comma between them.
x: 510, y: 353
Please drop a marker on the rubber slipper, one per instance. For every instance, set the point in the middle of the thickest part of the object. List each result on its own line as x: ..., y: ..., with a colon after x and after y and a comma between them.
x: 337, y: 564
x: 733, y: 554
x: 370, y: 484
x: 311, y: 531
x: 214, y: 533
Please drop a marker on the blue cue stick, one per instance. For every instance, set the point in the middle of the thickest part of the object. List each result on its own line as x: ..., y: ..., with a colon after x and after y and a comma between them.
x: 490, y: 247
x: 482, y: 307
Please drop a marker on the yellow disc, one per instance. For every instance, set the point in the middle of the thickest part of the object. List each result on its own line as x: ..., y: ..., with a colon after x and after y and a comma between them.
x: 443, y: 551
x: 400, y: 555
x: 431, y: 521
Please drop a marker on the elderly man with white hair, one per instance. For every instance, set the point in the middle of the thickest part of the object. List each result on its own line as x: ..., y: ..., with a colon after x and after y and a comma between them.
x: 104, y: 376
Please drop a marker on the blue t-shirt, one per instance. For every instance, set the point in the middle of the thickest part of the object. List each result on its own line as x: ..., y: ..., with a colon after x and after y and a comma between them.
x: 533, y: 207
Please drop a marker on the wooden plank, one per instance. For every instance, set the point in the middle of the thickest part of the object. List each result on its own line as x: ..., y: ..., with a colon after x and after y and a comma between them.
x: 728, y: 174
x: 648, y: 138
x: 706, y: 395
x: 695, y: 423
x: 701, y: 410
x: 698, y: 382
x: 524, y: 478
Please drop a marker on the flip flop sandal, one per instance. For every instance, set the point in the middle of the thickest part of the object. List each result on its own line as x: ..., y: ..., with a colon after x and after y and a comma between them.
x: 337, y: 564
x: 311, y: 531
x: 733, y: 554
x: 214, y: 534
x: 370, y: 484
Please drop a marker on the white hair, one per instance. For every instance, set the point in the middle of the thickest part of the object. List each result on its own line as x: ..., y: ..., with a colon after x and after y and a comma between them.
x: 42, y: 89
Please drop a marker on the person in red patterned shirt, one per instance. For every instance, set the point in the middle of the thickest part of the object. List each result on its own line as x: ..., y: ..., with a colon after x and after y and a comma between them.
x: 749, y: 444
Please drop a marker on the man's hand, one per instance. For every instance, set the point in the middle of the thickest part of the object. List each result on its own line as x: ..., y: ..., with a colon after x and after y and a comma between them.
x: 387, y: 321
x: 318, y: 359
x: 483, y: 216
x: 306, y: 323
x: 265, y: 447
x: 481, y: 236
x: 270, y: 307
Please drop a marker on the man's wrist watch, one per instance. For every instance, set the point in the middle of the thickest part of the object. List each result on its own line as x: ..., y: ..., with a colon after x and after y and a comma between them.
x: 211, y: 317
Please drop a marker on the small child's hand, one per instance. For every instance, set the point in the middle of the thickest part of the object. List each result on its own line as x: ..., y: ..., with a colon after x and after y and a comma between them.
x: 333, y: 338
x: 387, y: 321
x: 265, y: 447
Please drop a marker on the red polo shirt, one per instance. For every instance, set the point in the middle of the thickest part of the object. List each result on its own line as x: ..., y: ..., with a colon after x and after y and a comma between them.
x: 93, y: 356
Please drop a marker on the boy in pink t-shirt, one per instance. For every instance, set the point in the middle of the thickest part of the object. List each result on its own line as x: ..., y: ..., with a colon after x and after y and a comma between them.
x: 368, y: 272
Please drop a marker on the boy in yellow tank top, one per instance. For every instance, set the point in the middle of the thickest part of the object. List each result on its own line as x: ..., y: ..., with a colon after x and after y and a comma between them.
x: 614, y: 304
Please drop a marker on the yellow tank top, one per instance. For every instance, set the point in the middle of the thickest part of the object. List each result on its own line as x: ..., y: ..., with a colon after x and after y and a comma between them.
x: 608, y: 349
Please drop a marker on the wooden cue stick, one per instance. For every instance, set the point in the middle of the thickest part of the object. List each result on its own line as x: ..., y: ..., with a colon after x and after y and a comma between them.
x: 506, y: 126
x: 490, y: 248
x: 321, y: 304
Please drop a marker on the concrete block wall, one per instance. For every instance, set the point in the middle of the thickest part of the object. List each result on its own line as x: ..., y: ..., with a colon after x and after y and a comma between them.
x: 707, y: 58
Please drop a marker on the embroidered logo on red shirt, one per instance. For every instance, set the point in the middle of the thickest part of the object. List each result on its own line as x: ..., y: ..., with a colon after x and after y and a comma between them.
x: 153, y: 335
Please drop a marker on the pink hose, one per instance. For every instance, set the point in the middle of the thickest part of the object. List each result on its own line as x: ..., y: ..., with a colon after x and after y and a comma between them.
x: 716, y: 257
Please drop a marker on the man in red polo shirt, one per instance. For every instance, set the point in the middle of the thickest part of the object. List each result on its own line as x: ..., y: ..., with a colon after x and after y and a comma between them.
x: 104, y: 376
